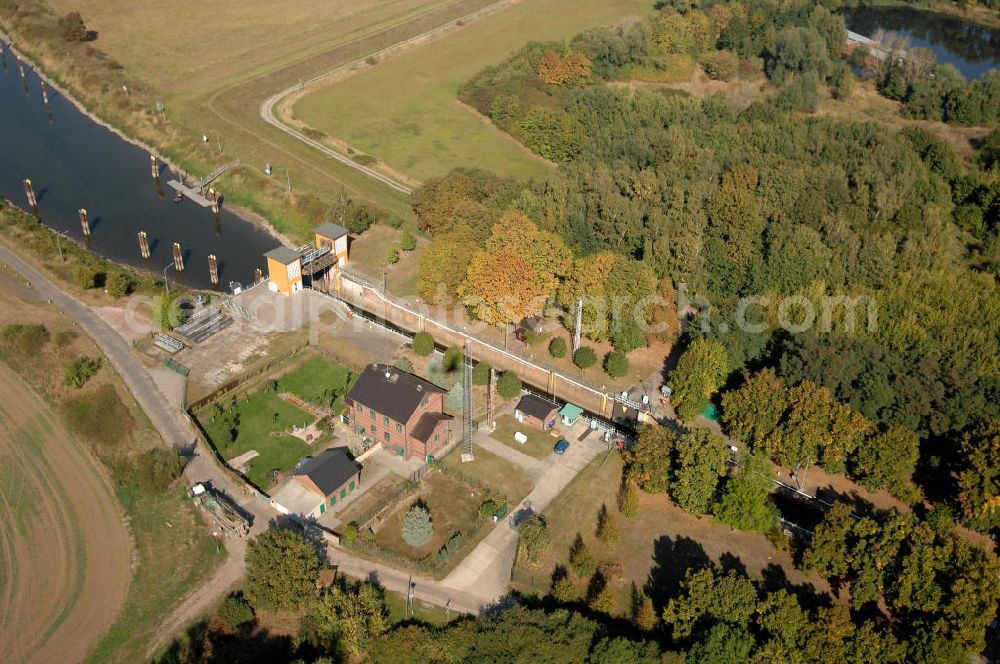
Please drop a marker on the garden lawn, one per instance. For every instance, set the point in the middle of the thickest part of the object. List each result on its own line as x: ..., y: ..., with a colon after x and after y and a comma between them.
x: 404, y: 110
x: 452, y: 505
x: 318, y: 381
x: 493, y: 471
x: 660, y: 543
x: 256, y: 423
x: 368, y: 256
x: 539, y: 445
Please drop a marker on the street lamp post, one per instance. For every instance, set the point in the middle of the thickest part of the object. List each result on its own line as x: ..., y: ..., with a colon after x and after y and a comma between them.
x: 166, y: 283
x: 59, y: 244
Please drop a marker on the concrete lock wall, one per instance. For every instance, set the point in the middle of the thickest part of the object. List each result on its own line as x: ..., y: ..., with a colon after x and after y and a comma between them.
x: 544, y: 381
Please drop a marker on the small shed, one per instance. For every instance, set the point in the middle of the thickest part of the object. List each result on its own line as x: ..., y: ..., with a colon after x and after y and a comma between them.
x: 533, y: 324
x: 536, y: 411
x: 570, y: 413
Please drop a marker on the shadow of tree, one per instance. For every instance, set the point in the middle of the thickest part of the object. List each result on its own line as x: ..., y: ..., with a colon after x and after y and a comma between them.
x: 673, y: 558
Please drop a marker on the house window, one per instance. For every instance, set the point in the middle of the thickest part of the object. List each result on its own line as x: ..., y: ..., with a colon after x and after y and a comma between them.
x: 351, y: 485
x: 386, y: 435
x: 343, y: 493
x: 333, y: 501
x: 322, y: 508
x: 361, y: 430
x: 423, y: 400
x: 399, y: 428
x: 374, y: 430
x: 437, y: 437
x: 372, y: 411
x: 385, y: 420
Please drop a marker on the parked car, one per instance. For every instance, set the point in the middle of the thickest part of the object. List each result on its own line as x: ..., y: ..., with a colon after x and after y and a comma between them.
x: 561, y: 446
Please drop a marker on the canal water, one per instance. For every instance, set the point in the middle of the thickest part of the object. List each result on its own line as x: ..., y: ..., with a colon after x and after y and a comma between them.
x: 972, y: 49
x: 76, y: 163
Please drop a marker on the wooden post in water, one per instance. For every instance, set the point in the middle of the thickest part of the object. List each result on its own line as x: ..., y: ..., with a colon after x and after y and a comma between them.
x: 84, y: 222
x: 30, y: 191
x: 45, y: 95
x: 154, y: 167
x: 178, y: 258
x: 258, y: 275
x: 213, y: 269
x: 24, y: 77
x: 144, y: 244
x: 3, y: 56
x: 213, y: 196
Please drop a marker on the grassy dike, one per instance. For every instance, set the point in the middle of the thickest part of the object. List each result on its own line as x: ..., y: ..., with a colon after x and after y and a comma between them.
x: 95, y: 82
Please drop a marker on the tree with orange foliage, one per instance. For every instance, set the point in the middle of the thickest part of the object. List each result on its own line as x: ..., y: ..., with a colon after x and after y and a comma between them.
x: 500, y: 287
x: 571, y: 69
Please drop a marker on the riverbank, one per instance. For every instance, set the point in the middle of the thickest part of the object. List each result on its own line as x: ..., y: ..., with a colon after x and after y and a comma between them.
x: 108, y: 94
x: 979, y: 15
x: 243, y: 213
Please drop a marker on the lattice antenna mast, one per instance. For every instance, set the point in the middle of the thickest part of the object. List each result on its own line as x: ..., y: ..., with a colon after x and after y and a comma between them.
x: 467, y: 406
x: 491, y: 400
x: 579, y: 324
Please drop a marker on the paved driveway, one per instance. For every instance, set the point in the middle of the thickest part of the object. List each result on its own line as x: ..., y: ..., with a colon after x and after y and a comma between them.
x: 486, y: 570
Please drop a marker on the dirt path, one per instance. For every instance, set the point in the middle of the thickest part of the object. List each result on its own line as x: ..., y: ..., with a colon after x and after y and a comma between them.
x: 200, y: 601
x: 64, y: 548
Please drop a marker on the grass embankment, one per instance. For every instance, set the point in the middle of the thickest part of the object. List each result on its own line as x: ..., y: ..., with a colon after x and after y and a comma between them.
x: 404, y: 110
x: 166, y: 533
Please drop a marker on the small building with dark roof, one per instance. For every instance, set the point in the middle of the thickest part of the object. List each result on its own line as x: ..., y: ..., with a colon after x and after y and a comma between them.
x: 536, y: 411
x: 318, y: 483
x: 403, y: 412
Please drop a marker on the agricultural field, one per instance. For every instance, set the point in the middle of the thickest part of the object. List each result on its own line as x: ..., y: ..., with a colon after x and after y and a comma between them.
x: 404, y: 111
x: 262, y: 421
x: 657, y: 546
x: 64, y: 545
x: 71, y: 520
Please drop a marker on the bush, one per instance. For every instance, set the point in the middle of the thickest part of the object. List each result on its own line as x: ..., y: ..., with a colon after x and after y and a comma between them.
x: 407, y: 243
x: 509, y: 385
x: 722, y: 65
x: 616, y: 364
x: 22, y: 339
x: 85, y: 276
x: 359, y: 216
x: 351, y: 532
x: 396, y: 222
x: 81, y: 370
x: 585, y: 357
x: 99, y: 416
x: 535, y: 537
x: 404, y: 364
x: 423, y: 344
x: 72, y: 27
x: 157, y: 468
x: 628, y: 498
x: 557, y: 347
x: 236, y: 611
x: 117, y: 284
x: 453, y: 358
x: 481, y: 374
x: 580, y: 559
x: 392, y: 256
x: 607, y: 527
x: 417, y: 526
